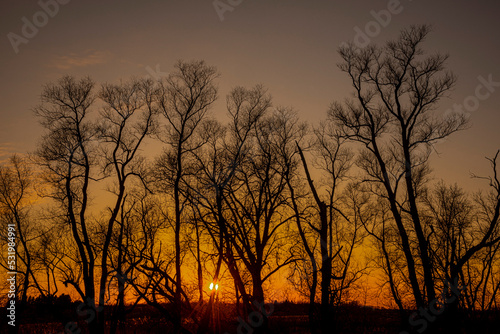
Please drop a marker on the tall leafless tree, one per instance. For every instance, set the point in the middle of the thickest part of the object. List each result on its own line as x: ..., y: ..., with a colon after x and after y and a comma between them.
x: 186, y: 97
x: 336, y: 229
x: 66, y: 154
x: 16, y: 197
x: 257, y: 201
x: 396, y: 89
x: 69, y: 156
x: 128, y: 117
x: 215, y: 166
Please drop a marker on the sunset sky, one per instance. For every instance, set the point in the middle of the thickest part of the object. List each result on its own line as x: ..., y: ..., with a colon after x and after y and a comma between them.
x: 289, y: 46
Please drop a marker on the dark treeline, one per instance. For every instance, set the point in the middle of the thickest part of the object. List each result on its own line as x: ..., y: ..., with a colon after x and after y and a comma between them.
x: 261, y: 195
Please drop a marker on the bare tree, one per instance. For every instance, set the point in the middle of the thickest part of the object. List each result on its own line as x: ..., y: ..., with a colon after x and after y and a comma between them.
x: 66, y: 154
x: 257, y: 201
x: 128, y: 117
x: 487, y: 224
x: 138, y: 226
x: 376, y: 220
x: 333, y: 229
x: 215, y: 166
x: 396, y: 88
x: 48, y: 255
x: 186, y: 96
x: 464, y: 238
x: 70, y: 159
x: 16, y: 197
x: 154, y: 266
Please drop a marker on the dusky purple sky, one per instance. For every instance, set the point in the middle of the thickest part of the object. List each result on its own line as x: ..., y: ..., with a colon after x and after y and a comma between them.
x: 289, y: 46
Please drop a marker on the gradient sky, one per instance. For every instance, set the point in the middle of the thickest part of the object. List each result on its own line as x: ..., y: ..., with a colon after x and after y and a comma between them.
x: 289, y: 46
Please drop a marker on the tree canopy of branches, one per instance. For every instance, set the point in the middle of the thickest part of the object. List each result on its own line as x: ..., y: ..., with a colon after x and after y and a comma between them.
x: 259, y: 196
x: 396, y: 89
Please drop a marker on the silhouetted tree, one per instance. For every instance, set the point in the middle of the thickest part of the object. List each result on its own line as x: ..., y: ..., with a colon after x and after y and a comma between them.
x: 16, y: 197
x: 214, y: 168
x: 128, y: 117
x: 69, y: 156
x: 186, y: 96
x: 247, y: 198
x: 259, y: 214
x: 332, y: 227
x: 138, y: 227
x: 396, y: 88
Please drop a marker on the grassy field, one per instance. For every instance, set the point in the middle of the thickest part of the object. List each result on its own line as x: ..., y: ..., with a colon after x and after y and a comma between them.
x: 286, y: 318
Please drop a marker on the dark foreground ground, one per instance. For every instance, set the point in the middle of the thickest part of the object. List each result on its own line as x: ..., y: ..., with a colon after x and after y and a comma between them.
x: 285, y: 318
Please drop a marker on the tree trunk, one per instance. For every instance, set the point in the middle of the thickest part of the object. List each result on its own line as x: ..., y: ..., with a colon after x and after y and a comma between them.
x: 326, y: 274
